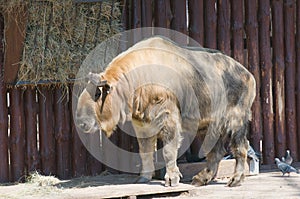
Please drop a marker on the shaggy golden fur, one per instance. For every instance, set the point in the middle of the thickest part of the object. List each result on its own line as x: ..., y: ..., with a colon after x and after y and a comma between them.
x: 197, y: 90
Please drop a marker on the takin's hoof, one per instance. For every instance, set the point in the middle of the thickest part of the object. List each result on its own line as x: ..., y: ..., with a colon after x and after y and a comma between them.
x: 142, y: 179
x: 236, y: 180
x: 199, y: 181
x: 172, y: 179
x: 202, y: 178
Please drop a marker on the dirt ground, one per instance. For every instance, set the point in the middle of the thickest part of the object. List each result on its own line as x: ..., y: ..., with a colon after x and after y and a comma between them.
x: 269, y: 184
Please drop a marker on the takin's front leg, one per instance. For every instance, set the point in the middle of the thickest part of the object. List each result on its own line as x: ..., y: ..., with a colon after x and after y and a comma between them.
x: 146, y: 150
x: 213, y: 158
x: 239, y: 147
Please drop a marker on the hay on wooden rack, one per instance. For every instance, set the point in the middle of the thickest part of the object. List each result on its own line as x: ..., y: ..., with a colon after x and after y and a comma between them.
x: 60, y: 34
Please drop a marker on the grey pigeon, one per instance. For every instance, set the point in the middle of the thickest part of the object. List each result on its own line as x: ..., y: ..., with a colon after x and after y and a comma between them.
x: 288, y: 158
x: 253, y: 154
x: 285, y: 168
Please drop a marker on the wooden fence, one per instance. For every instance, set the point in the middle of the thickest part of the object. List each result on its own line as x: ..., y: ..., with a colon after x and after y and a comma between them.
x: 37, y: 131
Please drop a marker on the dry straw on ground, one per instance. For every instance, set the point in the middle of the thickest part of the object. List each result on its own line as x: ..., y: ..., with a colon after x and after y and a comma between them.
x: 60, y: 34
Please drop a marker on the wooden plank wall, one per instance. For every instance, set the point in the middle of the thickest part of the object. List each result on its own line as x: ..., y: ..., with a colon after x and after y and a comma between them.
x: 37, y: 131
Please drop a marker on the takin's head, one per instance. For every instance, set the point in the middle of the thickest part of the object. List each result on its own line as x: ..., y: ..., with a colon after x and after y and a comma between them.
x: 94, y: 107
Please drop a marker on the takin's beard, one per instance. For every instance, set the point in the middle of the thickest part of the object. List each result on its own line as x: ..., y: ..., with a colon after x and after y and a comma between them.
x: 108, y: 118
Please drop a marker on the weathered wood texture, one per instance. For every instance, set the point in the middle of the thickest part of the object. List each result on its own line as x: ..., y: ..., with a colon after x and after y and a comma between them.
x: 210, y: 24
x: 279, y: 84
x: 290, y: 76
x: 15, y: 28
x: 298, y: 73
x: 4, y: 168
x: 17, y: 135
x: 267, y: 81
x: 37, y: 130
x: 31, y: 111
x: 237, y: 26
x: 46, y: 130
x: 253, y: 66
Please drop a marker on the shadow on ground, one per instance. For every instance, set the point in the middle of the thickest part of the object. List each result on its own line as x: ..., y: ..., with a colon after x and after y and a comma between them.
x: 94, y: 181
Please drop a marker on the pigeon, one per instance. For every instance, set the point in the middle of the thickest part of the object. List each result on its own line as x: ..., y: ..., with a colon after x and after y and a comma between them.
x: 285, y: 168
x: 288, y: 158
x: 253, y: 154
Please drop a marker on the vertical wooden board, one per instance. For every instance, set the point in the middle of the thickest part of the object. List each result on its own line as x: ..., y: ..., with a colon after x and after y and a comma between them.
x: 146, y: 13
x: 126, y: 15
x: 4, y: 168
x: 179, y: 20
x: 196, y: 20
x: 124, y: 144
x: 279, y: 85
x: 46, y: 130
x: 62, y: 134
x: 17, y: 135
x: 237, y: 24
x: 162, y: 13
x: 268, y: 147
x: 210, y: 24
x: 15, y: 27
x: 79, y: 152
x: 136, y: 20
x: 253, y: 65
x: 108, y: 149
x: 94, y: 165
x: 298, y: 71
x: 30, y: 111
x: 290, y: 78
x: 147, y: 17
x: 224, y: 26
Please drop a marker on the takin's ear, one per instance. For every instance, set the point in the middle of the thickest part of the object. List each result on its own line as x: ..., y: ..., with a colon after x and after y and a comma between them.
x: 94, y: 78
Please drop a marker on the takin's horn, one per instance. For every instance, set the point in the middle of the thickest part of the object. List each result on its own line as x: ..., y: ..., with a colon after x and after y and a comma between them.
x: 94, y: 78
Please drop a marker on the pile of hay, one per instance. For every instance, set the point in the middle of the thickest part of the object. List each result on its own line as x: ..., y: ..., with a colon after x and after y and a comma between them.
x: 60, y: 34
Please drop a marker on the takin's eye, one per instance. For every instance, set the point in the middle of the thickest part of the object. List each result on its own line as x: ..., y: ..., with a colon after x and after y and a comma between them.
x: 94, y: 91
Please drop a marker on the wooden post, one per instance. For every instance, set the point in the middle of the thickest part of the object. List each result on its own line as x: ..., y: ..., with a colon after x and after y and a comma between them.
x: 30, y: 106
x: 125, y: 15
x: 4, y: 168
x: 224, y: 26
x: 62, y: 135
x: 196, y: 31
x: 253, y: 66
x: 163, y: 14
x: 279, y: 85
x: 15, y: 27
x: 179, y: 22
x: 136, y: 20
x: 147, y: 17
x: 146, y: 13
x: 94, y: 166
x: 79, y: 152
x: 46, y: 130
x: 17, y: 135
x: 268, y: 147
x: 298, y: 72
x: 290, y: 78
x: 210, y: 24
x: 196, y: 20
x: 237, y: 30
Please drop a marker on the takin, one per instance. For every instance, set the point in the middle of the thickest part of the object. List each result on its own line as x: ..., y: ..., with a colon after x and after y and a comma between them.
x: 166, y: 90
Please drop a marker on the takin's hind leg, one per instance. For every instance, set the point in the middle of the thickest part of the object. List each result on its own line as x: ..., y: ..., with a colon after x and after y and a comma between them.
x: 170, y: 152
x: 213, y: 158
x: 146, y: 150
x: 171, y: 137
x: 239, y: 147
